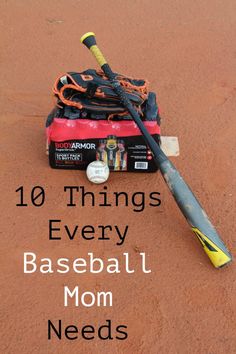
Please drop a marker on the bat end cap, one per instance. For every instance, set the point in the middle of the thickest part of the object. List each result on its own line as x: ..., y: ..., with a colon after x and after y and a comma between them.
x: 86, y: 35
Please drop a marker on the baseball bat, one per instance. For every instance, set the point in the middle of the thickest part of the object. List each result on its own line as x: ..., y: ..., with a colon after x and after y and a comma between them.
x: 184, y: 197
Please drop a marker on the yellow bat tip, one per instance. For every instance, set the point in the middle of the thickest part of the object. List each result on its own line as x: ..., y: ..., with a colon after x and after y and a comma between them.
x: 218, y: 257
x: 86, y: 35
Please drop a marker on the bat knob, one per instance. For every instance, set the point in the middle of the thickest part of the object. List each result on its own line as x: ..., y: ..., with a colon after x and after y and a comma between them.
x: 88, y: 39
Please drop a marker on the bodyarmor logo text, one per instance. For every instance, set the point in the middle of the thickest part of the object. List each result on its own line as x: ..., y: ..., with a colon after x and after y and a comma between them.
x: 68, y: 145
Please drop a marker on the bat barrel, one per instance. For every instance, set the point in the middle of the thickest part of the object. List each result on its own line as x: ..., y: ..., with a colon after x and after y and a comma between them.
x: 196, y: 216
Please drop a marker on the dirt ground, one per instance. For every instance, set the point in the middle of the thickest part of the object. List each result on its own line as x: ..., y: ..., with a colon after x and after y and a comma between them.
x: 186, y: 50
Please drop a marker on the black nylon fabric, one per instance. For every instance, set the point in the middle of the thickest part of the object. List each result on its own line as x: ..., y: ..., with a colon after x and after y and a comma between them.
x: 149, y: 109
x: 93, y: 91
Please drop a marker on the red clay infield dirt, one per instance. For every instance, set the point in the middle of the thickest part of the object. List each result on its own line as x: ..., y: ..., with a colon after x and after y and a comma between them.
x: 186, y: 50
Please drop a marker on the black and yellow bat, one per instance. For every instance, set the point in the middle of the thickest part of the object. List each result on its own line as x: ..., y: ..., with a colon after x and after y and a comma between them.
x: 184, y: 197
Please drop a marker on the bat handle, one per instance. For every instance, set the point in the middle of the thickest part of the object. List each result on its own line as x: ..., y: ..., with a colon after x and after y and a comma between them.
x: 89, y: 40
